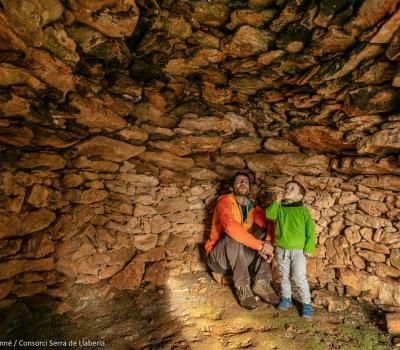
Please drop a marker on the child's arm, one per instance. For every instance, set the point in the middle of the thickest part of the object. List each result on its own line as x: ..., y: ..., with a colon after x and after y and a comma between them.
x: 273, y: 210
x: 309, y: 247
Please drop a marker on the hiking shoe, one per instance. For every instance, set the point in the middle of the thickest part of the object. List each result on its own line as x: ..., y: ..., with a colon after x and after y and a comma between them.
x: 307, y: 311
x: 284, y: 304
x: 264, y: 290
x: 246, y: 297
x: 222, y: 279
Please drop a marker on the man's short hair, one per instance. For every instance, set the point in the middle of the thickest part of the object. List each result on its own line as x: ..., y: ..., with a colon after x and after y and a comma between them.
x: 302, y: 189
x: 242, y: 173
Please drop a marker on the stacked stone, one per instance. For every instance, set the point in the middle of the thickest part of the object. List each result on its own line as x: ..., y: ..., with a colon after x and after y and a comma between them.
x: 119, y: 120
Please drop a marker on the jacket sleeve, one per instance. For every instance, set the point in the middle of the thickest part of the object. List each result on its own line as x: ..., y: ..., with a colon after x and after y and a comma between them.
x: 260, y: 220
x: 273, y: 210
x: 233, y: 228
x: 309, y: 246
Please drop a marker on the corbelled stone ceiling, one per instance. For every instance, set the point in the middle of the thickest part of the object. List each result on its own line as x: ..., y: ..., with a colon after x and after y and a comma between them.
x: 119, y: 120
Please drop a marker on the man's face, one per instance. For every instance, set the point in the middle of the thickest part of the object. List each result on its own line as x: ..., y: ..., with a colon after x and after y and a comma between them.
x: 241, y: 185
x: 292, y: 192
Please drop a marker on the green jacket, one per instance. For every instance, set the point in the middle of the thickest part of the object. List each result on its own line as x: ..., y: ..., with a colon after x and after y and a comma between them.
x: 294, y: 228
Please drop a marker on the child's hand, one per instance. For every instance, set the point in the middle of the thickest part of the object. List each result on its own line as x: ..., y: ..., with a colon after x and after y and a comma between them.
x: 308, y: 255
x: 279, y: 196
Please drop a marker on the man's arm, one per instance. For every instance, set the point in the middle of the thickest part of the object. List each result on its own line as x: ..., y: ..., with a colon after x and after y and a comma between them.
x: 234, y: 229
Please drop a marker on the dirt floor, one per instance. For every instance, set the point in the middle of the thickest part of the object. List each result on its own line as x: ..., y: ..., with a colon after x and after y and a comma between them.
x: 194, y: 312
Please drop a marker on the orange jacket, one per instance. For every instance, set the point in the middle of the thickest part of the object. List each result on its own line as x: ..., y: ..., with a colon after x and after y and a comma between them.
x: 228, y: 219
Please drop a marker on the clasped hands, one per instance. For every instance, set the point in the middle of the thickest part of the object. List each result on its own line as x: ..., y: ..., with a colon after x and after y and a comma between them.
x: 266, y: 251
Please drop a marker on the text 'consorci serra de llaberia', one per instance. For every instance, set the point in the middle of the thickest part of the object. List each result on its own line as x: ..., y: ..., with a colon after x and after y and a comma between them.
x: 47, y: 343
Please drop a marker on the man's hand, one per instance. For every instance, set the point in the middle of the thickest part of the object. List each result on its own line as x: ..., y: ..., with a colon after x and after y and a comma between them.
x: 308, y: 255
x: 266, y: 251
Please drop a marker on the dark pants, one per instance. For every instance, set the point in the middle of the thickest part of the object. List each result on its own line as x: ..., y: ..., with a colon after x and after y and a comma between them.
x: 229, y: 254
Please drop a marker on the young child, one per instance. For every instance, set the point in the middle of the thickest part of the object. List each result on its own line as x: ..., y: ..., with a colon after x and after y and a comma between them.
x: 294, y: 241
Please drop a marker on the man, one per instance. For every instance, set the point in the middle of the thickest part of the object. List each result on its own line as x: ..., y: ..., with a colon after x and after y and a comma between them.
x: 232, y: 246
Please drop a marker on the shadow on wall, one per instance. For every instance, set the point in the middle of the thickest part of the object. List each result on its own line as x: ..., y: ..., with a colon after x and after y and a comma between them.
x: 118, y: 320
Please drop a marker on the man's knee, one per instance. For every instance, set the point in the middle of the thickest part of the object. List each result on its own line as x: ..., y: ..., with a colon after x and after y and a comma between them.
x: 233, y: 245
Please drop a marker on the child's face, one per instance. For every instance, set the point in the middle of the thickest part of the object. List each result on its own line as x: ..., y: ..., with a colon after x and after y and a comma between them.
x: 292, y: 192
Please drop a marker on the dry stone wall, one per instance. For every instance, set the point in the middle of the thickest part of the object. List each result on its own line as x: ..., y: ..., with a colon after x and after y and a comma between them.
x: 119, y: 120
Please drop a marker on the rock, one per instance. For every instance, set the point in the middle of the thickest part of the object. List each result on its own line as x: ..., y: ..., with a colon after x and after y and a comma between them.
x: 203, y: 174
x: 371, y: 100
x: 210, y: 14
x: 145, y: 242
x: 25, y: 18
x: 276, y: 145
x: 139, y: 180
x: 206, y: 124
x: 199, y: 143
x: 85, y: 197
x: 10, y: 40
x: 95, y: 165
x: 335, y: 40
x: 375, y: 288
x: 108, y: 149
x: 288, y: 164
x: 320, y: 139
x: 347, y: 197
x: 72, y: 180
x: 172, y: 205
x: 270, y: 56
x: 131, y: 276
x: 57, y: 41
x: 251, y: 17
x: 395, y: 260
x: 365, y: 165
x: 12, y: 268
x: 41, y: 160
x: 353, y: 236
x: 37, y: 220
x: 393, y: 50
x: 393, y: 324
x: 53, y: 71
x: 5, y: 288
x: 175, y: 246
x: 369, y: 14
x: 293, y: 38
x: 12, y: 75
x: 388, y: 182
x: 331, y: 301
x: 55, y: 138
x: 249, y: 41
x: 10, y: 225
x: 112, y: 18
x: 94, y: 115
x: 242, y: 145
x: 368, y: 221
x: 134, y: 133
x: 357, y: 57
x: 39, y: 196
x: 16, y: 136
x: 375, y: 247
x: 159, y: 224
x: 148, y: 112
x: 231, y: 161
x: 384, y: 141
x: 167, y: 160
x: 371, y: 207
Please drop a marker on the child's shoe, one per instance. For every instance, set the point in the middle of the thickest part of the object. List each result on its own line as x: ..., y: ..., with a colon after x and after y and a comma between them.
x: 307, y: 311
x: 284, y: 304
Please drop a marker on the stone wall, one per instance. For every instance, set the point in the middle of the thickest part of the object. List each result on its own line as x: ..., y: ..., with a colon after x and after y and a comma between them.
x: 120, y: 120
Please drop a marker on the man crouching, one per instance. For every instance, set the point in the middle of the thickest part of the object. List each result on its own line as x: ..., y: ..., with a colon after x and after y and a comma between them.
x: 235, y: 243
